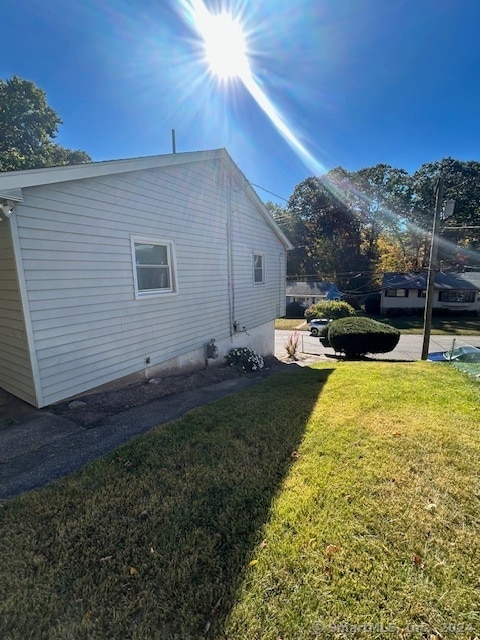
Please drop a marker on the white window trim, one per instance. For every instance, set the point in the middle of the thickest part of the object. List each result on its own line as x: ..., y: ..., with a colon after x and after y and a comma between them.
x: 264, y: 268
x: 172, y: 264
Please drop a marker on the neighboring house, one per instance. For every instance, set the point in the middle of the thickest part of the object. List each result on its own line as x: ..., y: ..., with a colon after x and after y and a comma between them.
x: 406, y: 292
x: 129, y: 268
x: 307, y: 293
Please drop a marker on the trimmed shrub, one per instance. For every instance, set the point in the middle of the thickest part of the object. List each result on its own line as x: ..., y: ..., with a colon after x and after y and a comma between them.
x: 294, y: 310
x: 359, y: 336
x: 329, y: 309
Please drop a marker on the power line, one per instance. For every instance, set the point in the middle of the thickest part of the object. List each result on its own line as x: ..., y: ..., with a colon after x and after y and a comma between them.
x: 270, y: 192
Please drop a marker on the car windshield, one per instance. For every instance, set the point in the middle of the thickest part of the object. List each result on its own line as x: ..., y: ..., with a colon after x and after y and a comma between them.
x: 460, y: 351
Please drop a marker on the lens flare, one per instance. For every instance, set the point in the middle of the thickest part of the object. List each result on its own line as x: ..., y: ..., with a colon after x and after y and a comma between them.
x: 225, y: 47
x: 227, y: 56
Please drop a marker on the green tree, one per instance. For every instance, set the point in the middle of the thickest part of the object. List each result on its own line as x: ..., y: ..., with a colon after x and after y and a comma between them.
x: 461, y: 182
x: 27, y: 129
x: 325, y: 233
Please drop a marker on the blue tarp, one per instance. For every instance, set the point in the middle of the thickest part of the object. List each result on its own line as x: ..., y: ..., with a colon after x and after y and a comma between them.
x: 334, y: 293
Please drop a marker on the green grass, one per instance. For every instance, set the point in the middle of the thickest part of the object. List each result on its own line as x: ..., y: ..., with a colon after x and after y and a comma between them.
x: 325, y: 498
x: 289, y: 324
x: 463, y: 325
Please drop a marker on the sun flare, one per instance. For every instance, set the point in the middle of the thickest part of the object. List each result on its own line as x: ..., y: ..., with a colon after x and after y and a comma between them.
x: 226, y: 53
x: 225, y: 46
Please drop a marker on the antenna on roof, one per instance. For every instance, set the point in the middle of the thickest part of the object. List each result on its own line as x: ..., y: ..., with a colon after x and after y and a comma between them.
x: 174, y: 148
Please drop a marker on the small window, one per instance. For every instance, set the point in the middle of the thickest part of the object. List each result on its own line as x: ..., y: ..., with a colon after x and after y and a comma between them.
x: 258, y: 268
x: 153, y: 267
x: 396, y: 293
x: 422, y: 293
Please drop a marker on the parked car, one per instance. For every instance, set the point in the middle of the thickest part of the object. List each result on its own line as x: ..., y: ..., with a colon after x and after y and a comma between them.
x: 460, y: 354
x: 317, y: 324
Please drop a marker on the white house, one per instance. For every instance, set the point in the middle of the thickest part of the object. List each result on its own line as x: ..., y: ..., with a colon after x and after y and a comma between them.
x: 406, y: 292
x: 311, y: 292
x: 131, y: 268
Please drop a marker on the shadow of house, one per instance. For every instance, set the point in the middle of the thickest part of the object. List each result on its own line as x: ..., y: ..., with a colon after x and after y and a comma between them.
x: 187, y: 502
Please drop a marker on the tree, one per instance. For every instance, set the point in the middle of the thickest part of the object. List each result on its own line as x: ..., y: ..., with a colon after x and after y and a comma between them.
x: 326, y: 235
x: 27, y: 129
x: 461, y: 182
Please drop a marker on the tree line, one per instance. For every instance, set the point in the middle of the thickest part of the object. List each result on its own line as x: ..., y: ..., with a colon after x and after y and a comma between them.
x: 352, y: 226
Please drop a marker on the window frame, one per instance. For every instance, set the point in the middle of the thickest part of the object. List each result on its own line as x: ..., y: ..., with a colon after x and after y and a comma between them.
x: 396, y: 293
x: 457, y: 296
x: 171, y: 266
x: 264, y: 278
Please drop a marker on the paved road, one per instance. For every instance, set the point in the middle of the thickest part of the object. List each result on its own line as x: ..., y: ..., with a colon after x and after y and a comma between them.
x: 408, y: 348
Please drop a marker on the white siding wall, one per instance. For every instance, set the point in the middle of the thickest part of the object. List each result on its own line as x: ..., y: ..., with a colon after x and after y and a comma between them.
x: 414, y: 301
x: 87, y: 325
x: 15, y: 370
x: 256, y: 304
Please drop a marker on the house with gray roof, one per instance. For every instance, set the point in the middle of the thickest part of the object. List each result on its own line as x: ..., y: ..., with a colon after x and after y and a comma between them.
x: 406, y: 292
x: 308, y: 293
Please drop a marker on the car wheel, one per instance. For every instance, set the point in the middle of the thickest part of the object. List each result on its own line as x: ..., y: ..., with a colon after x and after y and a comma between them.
x: 314, y: 331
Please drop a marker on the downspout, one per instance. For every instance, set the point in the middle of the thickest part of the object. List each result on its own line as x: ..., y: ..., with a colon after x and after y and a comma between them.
x: 231, y: 293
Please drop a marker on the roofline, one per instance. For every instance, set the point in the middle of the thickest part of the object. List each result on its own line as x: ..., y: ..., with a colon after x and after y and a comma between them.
x: 11, y: 182
x: 51, y: 175
x: 255, y: 198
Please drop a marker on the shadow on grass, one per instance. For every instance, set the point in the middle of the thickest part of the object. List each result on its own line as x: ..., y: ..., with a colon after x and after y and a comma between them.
x: 154, y: 540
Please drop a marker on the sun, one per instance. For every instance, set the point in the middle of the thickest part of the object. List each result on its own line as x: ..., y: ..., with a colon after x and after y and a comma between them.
x: 225, y: 46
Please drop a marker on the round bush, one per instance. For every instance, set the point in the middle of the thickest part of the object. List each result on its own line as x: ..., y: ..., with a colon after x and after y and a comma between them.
x: 359, y: 336
x: 329, y: 309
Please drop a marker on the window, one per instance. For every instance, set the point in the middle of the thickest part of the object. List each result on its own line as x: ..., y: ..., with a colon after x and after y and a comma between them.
x: 258, y: 268
x: 153, y: 267
x: 456, y: 296
x: 422, y: 293
x: 396, y: 293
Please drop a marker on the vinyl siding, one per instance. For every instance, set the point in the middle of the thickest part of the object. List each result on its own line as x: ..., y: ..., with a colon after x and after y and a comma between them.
x: 75, y: 241
x: 87, y: 326
x: 261, y: 303
x: 15, y: 369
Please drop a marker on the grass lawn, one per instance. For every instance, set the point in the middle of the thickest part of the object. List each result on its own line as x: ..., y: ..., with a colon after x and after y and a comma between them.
x: 321, y: 500
x: 289, y: 324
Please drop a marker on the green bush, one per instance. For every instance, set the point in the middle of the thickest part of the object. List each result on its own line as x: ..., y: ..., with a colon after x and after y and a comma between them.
x: 359, y: 336
x: 329, y: 309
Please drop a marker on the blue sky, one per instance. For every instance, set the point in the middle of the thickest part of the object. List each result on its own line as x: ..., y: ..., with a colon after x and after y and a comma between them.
x: 355, y: 82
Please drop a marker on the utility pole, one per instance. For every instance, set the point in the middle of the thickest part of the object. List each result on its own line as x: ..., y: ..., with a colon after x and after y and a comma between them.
x: 432, y: 268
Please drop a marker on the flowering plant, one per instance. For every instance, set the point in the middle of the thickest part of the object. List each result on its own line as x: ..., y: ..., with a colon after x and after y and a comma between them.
x: 245, y: 359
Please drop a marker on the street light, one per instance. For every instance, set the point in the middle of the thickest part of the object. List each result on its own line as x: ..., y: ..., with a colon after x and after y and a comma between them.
x: 432, y: 267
